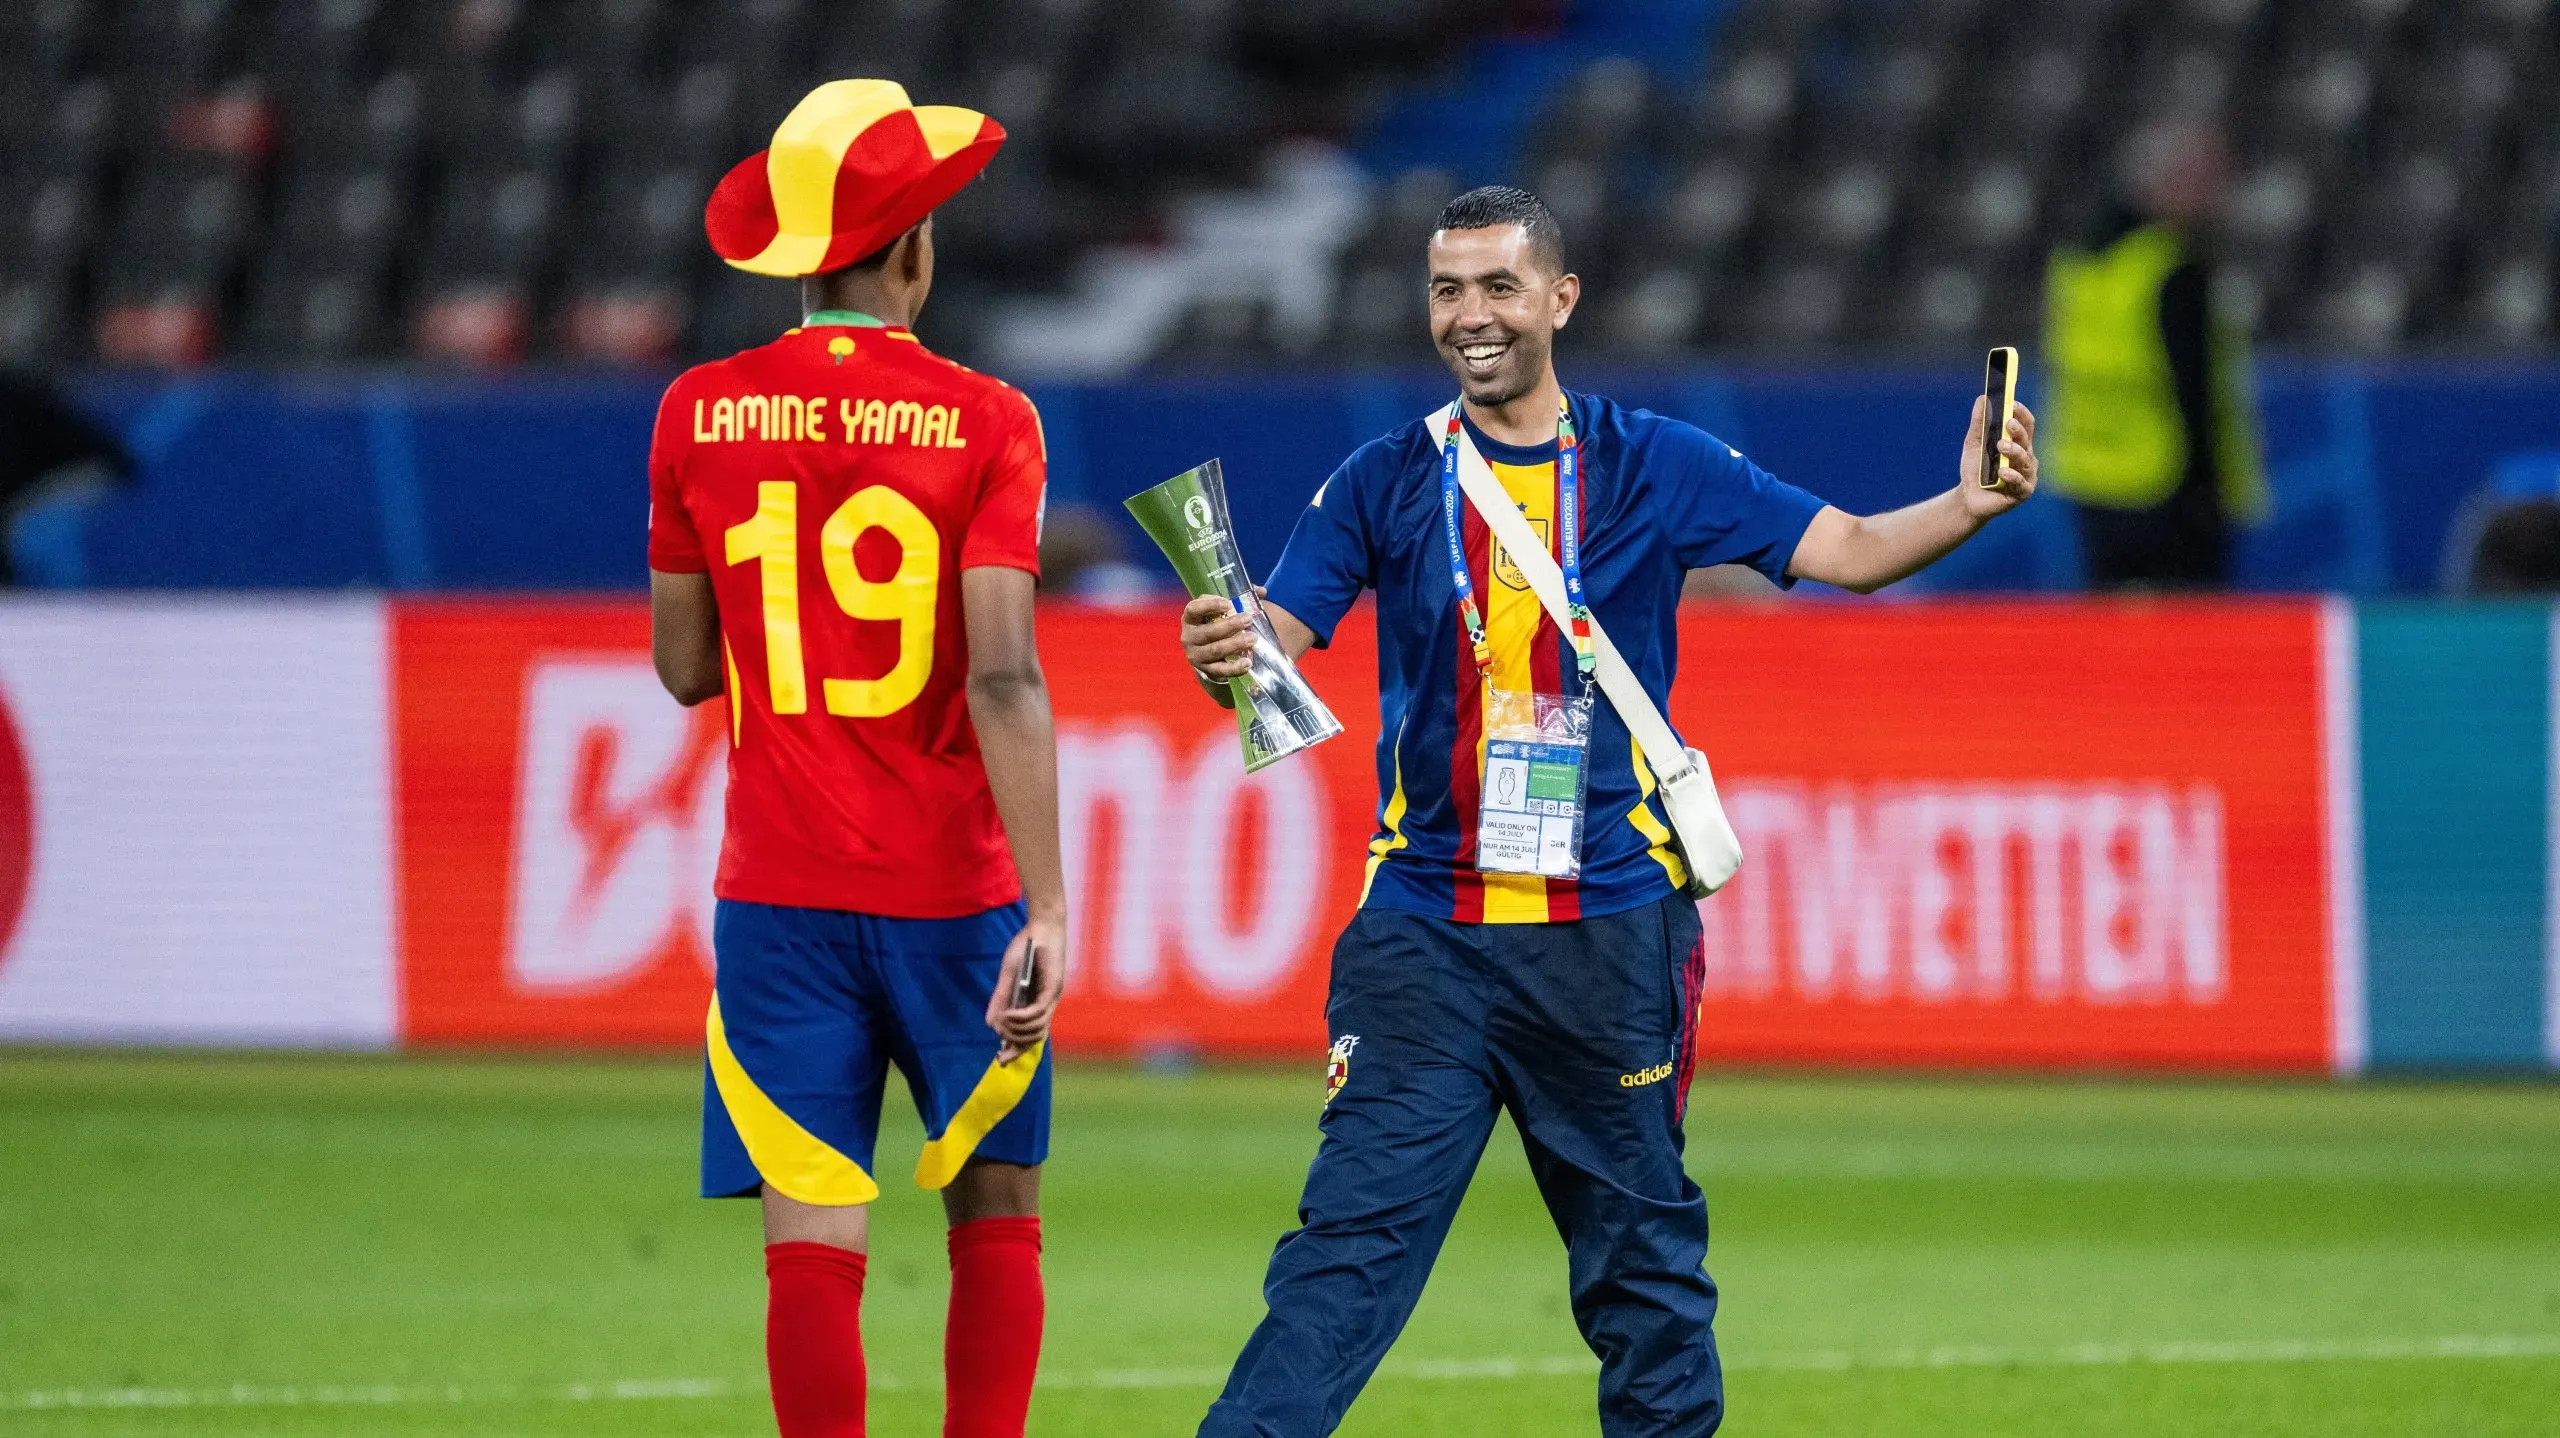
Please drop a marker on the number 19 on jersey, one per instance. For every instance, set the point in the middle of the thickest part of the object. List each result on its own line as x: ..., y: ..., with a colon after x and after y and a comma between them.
x: 908, y: 598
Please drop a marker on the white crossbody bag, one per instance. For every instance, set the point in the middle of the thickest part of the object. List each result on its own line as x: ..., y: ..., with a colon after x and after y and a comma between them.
x: 1707, y: 843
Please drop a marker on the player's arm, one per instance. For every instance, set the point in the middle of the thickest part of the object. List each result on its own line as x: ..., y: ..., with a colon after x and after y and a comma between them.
x: 684, y: 635
x: 684, y: 616
x: 1867, y: 553
x: 1017, y: 741
x: 1219, y: 642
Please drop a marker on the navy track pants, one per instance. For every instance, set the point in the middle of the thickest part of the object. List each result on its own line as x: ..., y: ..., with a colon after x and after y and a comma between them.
x: 1582, y: 1031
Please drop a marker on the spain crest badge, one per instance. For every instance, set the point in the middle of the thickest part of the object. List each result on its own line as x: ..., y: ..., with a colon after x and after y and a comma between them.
x: 1507, y: 569
x: 1337, y: 1066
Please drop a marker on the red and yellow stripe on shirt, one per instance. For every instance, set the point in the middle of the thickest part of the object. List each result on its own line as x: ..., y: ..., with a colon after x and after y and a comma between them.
x: 1527, y: 658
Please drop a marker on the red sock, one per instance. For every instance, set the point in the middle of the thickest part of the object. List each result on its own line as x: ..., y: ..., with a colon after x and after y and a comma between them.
x: 991, y: 1343
x: 813, y: 1339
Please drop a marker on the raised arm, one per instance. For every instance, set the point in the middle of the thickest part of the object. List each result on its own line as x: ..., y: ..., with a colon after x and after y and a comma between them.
x: 1218, y: 642
x: 1017, y: 740
x: 1867, y: 553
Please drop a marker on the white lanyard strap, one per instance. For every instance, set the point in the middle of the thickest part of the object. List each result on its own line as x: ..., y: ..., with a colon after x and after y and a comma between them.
x: 1663, y: 751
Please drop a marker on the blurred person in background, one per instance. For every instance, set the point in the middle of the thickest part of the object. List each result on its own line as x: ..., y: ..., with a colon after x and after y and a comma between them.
x: 2150, y: 417
x: 1081, y: 558
x: 2504, y: 539
x: 2518, y: 550
x: 843, y: 537
x: 53, y: 460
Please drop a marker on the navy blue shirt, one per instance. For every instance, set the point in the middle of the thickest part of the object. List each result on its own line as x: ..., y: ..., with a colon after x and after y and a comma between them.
x: 1659, y: 498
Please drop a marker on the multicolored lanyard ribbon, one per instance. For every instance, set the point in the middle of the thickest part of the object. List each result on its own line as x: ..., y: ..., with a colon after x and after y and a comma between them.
x: 1458, y: 546
x: 1568, y: 518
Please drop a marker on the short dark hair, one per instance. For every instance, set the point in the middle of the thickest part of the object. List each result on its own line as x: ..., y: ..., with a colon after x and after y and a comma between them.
x: 879, y: 257
x: 1488, y: 205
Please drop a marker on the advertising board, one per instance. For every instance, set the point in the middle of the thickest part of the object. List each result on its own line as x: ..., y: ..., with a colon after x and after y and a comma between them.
x: 2041, y: 833
x: 194, y: 822
x: 1996, y: 834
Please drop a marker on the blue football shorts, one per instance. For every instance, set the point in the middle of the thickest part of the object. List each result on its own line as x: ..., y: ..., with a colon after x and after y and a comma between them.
x: 811, y: 1006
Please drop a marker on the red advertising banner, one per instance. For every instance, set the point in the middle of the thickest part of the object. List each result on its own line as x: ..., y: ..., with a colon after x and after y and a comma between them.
x: 1205, y: 901
x: 2017, y: 833
x: 559, y: 821
x: 2037, y: 834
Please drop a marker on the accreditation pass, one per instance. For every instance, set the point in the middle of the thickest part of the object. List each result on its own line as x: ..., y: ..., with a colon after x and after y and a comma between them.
x: 1531, y: 822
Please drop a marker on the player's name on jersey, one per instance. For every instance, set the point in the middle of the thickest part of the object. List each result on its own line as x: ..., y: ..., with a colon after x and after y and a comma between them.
x: 807, y: 420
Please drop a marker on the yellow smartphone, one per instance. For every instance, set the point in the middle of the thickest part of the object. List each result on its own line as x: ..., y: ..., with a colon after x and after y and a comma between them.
x: 1999, y: 396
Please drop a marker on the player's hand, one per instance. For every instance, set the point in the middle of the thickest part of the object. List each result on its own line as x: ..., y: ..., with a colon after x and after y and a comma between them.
x: 1217, y: 641
x: 2017, y: 464
x: 1020, y: 1028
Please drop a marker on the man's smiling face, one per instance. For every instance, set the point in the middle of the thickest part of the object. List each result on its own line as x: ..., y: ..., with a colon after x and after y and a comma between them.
x: 1495, y: 307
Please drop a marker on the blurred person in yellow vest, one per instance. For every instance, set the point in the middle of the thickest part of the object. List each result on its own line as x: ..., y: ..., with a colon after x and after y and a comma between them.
x: 2149, y: 402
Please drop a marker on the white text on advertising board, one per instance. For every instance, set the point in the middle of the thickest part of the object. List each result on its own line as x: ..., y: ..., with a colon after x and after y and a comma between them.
x: 618, y: 814
x: 1942, y: 893
x: 1158, y: 845
x: 618, y: 824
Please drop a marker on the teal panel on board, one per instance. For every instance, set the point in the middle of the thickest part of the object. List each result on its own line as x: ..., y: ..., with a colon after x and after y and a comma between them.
x: 2455, y: 728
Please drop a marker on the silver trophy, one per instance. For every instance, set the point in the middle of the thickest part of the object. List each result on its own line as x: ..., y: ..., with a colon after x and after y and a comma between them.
x: 1277, y: 712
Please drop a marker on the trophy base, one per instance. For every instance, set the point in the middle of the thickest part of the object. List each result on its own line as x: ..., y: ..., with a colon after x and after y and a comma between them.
x: 1273, y: 732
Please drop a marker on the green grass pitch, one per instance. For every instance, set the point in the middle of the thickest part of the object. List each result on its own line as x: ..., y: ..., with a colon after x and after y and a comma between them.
x: 211, y: 1245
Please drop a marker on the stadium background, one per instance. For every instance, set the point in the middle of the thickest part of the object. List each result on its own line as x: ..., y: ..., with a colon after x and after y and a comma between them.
x: 331, y: 727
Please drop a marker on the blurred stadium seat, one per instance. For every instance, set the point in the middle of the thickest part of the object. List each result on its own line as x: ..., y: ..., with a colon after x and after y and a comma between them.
x: 493, y: 180
x: 496, y: 180
x: 1890, y: 172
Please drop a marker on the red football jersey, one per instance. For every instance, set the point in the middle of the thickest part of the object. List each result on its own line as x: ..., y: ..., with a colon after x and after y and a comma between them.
x: 834, y: 484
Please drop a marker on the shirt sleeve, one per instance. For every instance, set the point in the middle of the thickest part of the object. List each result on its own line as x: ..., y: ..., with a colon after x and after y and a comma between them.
x: 1014, y: 499
x: 1328, y: 559
x: 1726, y: 510
x: 674, y: 546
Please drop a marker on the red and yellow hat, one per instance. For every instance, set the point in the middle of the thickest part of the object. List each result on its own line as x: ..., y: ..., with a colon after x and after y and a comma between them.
x: 853, y: 167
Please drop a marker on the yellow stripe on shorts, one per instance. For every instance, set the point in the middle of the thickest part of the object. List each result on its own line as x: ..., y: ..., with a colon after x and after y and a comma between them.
x: 998, y: 1090
x: 797, y: 1163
